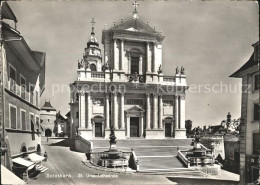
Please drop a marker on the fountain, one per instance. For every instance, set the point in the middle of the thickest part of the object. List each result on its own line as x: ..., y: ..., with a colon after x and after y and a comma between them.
x: 113, y: 157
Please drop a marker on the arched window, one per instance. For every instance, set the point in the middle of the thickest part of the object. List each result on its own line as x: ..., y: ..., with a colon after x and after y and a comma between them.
x: 93, y: 67
x: 134, y: 65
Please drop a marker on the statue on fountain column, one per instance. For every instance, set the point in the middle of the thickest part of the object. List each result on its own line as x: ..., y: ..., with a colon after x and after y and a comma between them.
x: 112, y: 136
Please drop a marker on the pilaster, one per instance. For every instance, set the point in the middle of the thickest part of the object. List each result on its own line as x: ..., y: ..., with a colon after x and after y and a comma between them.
x: 155, y: 111
x: 160, y: 111
x: 148, y: 112
x: 122, y: 114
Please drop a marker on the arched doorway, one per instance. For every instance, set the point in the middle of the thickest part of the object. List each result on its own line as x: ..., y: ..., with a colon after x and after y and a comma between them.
x: 93, y: 67
x: 168, y: 127
x: 48, y: 132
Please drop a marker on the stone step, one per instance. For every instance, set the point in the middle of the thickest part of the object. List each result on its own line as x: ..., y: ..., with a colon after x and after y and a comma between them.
x: 143, y: 142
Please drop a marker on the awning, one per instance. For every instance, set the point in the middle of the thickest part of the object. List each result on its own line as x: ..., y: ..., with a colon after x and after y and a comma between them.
x: 7, y: 177
x: 23, y: 162
x: 35, y: 157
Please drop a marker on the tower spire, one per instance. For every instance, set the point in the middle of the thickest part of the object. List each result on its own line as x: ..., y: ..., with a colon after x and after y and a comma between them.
x: 135, y: 4
x: 93, y: 25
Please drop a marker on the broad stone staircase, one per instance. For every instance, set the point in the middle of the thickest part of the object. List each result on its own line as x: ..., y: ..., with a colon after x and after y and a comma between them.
x: 154, y: 155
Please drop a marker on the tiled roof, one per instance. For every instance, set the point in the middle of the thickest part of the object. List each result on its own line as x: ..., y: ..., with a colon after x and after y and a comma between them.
x: 250, y: 63
x: 47, y: 106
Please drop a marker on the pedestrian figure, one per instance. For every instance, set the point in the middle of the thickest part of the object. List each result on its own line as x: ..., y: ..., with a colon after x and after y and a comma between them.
x: 45, y: 155
x: 47, y: 139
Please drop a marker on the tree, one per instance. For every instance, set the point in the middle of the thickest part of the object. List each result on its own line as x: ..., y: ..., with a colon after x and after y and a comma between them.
x: 188, y: 126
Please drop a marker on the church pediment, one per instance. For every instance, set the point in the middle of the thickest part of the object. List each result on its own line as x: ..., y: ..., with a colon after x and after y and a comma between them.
x: 134, y: 25
x: 135, y: 109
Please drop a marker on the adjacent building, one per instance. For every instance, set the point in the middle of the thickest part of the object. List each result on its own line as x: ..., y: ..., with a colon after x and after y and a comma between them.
x: 127, y: 91
x: 48, y: 117
x: 249, y: 126
x: 61, y: 125
x: 22, y: 84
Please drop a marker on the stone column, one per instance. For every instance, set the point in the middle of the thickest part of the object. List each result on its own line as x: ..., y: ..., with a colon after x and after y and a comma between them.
x: 182, y: 111
x: 89, y: 109
x: 142, y: 126
x: 129, y: 64
x: 154, y: 57
x: 115, y: 56
x: 148, y: 112
x: 148, y: 61
x: 115, y: 110
x: 107, y: 111
x: 155, y: 111
x: 82, y: 110
x: 122, y: 112
x: 176, y: 112
x: 122, y: 55
x: 127, y: 126
x: 140, y: 65
x: 160, y: 111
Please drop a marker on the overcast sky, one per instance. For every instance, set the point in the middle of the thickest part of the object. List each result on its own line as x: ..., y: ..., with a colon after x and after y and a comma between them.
x: 210, y: 39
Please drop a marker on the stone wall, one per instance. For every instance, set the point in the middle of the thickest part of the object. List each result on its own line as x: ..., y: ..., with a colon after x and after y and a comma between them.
x: 82, y: 145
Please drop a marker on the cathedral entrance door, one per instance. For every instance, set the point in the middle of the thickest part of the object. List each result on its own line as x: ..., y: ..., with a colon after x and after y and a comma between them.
x: 98, y: 129
x: 134, y: 127
x: 167, y: 129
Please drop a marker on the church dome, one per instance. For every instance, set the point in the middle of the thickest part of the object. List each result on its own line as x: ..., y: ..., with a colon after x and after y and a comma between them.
x: 92, y: 40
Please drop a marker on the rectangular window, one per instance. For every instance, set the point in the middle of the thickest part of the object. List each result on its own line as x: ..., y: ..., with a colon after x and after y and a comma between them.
x: 256, y: 82
x: 31, y: 93
x: 256, y: 143
x: 32, y: 126
x: 13, y: 117
x: 12, y: 74
x: 23, y: 87
x: 256, y: 111
x: 77, y: 115
x: 37, y: 122
x: 23, y: 121
x: 134, y: 65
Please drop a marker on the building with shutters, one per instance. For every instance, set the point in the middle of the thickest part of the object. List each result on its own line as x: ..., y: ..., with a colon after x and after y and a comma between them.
x: 127, y: 90
x: 250, y: 117
x: 22, y: 80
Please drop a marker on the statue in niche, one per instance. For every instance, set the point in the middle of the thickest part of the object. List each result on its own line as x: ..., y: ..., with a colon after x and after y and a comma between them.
x: 177, y: 70
x: 182, y: 70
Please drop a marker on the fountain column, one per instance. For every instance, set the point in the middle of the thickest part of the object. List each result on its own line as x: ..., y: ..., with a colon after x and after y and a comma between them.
x: 107, y: 111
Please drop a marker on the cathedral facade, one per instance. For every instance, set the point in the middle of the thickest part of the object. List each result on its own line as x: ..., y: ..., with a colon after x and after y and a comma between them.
x: 127, y: 91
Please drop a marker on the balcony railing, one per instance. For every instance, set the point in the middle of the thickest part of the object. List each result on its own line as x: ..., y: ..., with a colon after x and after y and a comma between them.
x: 168, y: 79
x: 97, y: 75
